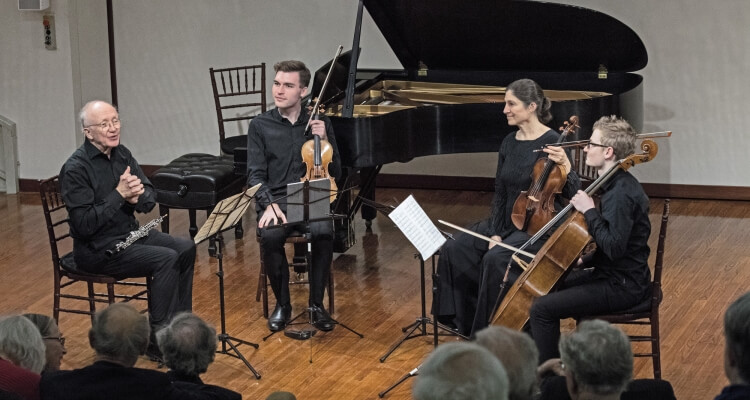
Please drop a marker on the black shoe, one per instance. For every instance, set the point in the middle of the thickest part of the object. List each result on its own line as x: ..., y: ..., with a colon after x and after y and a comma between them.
x: 321, y: 319
x: 154, y: 354
x: 280, y: 317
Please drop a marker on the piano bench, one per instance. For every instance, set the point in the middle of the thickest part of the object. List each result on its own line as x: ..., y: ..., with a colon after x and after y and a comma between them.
x: 193, y: 182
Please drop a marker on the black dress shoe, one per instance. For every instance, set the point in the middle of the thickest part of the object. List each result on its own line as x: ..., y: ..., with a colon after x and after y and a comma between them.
x: 280, y: 317
x: 154, y: 354
x: 321, y: 319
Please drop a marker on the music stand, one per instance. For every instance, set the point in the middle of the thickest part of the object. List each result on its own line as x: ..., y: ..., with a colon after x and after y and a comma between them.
x: 308, y: 201
x: 226, y: 214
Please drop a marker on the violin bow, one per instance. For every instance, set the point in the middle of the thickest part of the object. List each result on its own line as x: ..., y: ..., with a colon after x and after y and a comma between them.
x: 323, y: 89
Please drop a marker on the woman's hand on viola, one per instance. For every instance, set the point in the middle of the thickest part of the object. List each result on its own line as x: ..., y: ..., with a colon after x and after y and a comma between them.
x: 559, y: 156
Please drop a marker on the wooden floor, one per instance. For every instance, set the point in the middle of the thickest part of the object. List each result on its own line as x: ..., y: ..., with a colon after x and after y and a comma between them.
x: 707, y: 265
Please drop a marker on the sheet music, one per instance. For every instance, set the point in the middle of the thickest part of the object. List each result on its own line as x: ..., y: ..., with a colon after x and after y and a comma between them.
x: 226, y: 213
x: 417, y: 227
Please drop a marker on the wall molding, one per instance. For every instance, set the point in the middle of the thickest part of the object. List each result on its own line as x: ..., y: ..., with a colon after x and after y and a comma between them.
x: 483, y: 184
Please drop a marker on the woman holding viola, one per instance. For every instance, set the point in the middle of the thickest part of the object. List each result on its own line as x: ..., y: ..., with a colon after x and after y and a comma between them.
x: 471, y: 270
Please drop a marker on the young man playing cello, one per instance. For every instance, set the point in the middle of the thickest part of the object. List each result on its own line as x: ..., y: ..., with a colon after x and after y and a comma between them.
x: 616, y: 275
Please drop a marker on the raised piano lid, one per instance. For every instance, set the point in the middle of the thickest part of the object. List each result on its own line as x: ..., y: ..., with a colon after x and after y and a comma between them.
x: 497, y: 35
x: 485, y: 42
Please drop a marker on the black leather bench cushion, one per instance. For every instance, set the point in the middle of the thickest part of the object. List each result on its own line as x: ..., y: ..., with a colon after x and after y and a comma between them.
x: 196, y: 181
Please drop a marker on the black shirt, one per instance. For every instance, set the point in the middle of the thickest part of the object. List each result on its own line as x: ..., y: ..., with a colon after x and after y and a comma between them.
x: 274, y: 156
x: 515, y: 164
x: 621, y: 229
x: 99, y: 216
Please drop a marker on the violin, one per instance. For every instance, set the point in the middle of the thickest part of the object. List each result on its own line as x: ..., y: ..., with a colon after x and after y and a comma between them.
x: 535, y: 207
x: 317, y: 154
x: 563, y: 248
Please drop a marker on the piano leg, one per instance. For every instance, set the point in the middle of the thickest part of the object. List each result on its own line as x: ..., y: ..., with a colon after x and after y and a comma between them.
x: 367, y: 190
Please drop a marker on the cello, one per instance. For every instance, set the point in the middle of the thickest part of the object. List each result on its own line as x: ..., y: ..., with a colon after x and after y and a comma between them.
x: 559, y: 252
x: 535, y: 207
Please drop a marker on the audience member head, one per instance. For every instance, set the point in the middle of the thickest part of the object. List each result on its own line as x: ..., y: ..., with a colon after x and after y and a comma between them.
x: 598, y: 360
x: 188, y: 344
x: 21, y: 343
x: 281, y: 396
x: 737, y: 335
x: 618, y: 134
x: 54, y: 341
x: 461, y: 371
x: 119, y: 334
x: 519, y: 355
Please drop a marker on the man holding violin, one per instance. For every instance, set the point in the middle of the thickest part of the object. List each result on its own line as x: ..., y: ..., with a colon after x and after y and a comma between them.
x: 616, y: 276
x: 275, y: 140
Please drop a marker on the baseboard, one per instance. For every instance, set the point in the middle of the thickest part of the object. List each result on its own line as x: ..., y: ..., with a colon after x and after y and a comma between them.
x: 481, y: 184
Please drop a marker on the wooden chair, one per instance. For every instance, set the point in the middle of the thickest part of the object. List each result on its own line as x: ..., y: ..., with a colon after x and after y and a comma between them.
x: 66, y: 273
x: 300, y: 264
x: 646, y: 313
x: 241, y: 90
x: 586, y: 173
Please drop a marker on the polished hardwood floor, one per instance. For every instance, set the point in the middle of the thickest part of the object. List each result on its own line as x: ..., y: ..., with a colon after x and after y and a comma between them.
x: 707, y: 265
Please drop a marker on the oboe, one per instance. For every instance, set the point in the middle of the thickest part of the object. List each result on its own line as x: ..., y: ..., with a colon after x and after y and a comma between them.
x: 135, y: 235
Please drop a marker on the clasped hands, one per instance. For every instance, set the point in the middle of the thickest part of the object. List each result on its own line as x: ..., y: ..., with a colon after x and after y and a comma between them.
x: 130, y: 186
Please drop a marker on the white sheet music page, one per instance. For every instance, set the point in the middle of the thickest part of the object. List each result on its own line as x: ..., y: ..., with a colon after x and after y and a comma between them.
x: 417, y: 227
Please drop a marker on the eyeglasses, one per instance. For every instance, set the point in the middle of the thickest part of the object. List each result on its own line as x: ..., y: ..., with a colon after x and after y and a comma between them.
x: 106, y: 124
x: 589, y: 144
x: 60, y: 339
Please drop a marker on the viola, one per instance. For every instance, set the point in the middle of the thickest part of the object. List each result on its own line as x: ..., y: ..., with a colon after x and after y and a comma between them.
x: 535, y: 207
x: 563, y: 247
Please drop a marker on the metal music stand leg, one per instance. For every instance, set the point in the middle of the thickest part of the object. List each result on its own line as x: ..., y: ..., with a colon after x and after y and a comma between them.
x: 411, y: 373
x: 224, y: 337
x: 421, y: 322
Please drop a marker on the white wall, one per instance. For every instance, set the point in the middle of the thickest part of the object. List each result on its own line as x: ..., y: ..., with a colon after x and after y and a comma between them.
x: 694, y: 81
x: 36, y: 90
x: 164, y: 52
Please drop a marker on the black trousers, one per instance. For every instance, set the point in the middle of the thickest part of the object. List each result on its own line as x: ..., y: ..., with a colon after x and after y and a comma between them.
x: 167, y: 259
x: 277, y: 267
x: 469, y: 277
x: 582, y: 293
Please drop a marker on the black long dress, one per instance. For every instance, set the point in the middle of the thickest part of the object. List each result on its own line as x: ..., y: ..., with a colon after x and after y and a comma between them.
x: 469, y: 276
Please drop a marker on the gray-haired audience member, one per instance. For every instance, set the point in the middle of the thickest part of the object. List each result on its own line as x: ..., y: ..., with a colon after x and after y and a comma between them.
x: 189, y: 345
x: 54, y: 341
x: 596, y: 361
x: 21, y: 343
x: 21, y: 357
x: 461, y: 371
x: 119, y: 335
x: 518, y: 354
x: 597, y: 364
x: 737, y: 350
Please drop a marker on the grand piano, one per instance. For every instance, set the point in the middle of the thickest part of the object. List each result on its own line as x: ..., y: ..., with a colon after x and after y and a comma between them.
x: 458, y: 56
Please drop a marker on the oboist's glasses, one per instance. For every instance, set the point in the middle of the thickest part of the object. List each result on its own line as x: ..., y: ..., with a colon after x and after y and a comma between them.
x: 106, y: 124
